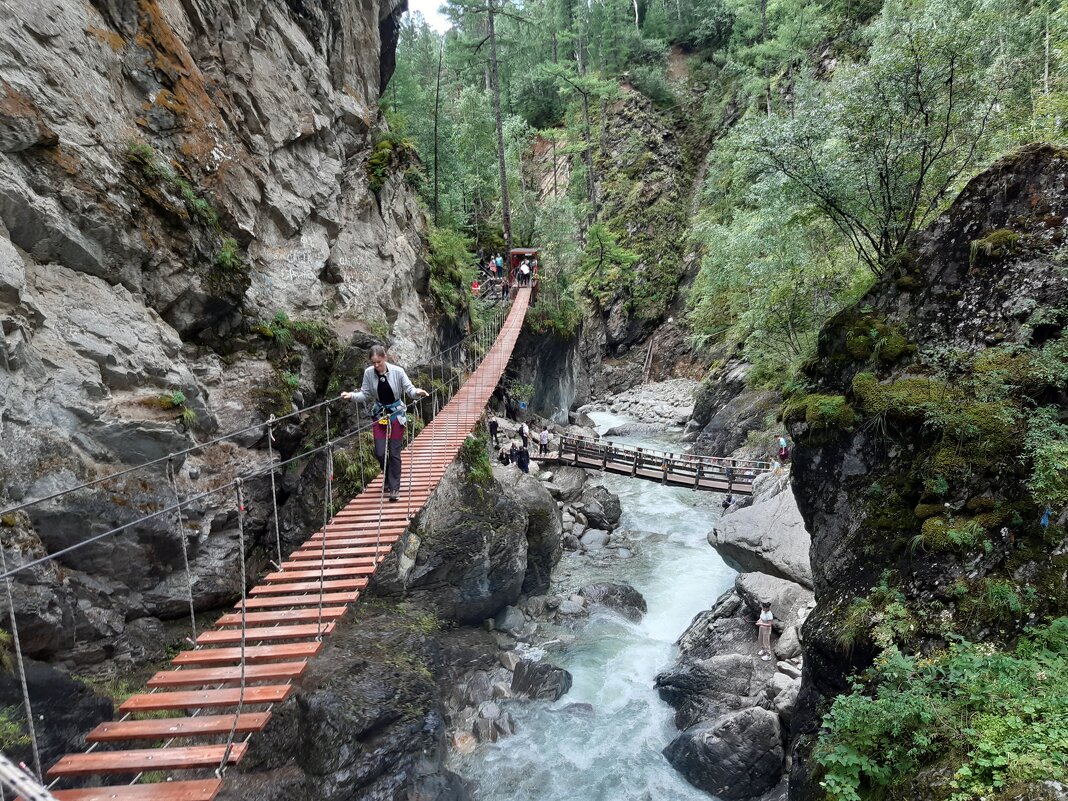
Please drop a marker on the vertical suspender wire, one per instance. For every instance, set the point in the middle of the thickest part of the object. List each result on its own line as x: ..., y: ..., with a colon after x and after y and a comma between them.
x: 22, y: 669
x: 244, y: 630
x: 411, y: 456
x: 185, y: 547
x: 274, y: 490
x: 328, y: 496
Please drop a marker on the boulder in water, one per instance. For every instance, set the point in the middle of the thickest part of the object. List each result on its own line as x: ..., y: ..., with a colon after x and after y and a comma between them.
x: 738, y: 755
x: 622, y: 598
x: 539, y: 680
x: 594, y: 539
x: 601, y: 507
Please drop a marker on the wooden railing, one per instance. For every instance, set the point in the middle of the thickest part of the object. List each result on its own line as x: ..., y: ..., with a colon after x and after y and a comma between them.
x: 714, y: 473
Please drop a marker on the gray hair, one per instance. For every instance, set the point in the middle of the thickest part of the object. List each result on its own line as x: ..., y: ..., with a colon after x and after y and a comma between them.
x: 377, y: 350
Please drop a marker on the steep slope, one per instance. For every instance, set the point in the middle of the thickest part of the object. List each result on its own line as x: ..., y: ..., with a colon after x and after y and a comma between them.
x: 929, y: 448
x: 190, y: 222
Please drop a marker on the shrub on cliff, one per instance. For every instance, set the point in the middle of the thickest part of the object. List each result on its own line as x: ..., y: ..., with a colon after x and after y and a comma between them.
x: 996, y: 719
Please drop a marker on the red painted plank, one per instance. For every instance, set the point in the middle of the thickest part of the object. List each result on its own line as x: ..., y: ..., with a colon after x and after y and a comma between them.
x: 314, y: 574
x: 268, y: 602
x: 142, y: 759
x: 262, y: 634
x: 190, y: 699
x: 204, y: 790
x: 166, y: 728
x: 256, y: 653
x: 309, y: 586
x: 284, y: 616
x: 272, y: 671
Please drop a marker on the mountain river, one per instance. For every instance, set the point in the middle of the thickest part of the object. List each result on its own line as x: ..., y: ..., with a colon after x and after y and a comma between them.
x: 608, y: 747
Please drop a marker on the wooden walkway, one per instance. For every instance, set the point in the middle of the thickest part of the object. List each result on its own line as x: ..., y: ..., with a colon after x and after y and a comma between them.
x: 712, y: 473
x: 286, y: 617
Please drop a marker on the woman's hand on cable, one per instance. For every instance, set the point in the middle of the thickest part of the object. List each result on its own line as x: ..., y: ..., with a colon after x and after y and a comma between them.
x: 422, y: 393
x: 347, y: 395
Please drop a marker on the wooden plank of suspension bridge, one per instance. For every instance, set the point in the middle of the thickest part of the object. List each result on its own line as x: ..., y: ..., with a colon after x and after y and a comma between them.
x: 327, y: 572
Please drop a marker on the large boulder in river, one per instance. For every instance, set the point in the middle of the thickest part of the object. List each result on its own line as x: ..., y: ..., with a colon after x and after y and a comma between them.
x: 623, y: 598
x: 706, y: 689
x: 738, y: 755
x: 539, y: 680
x: 544, y: 527
x: 464, y: 555
x: 568, y: 482
x: 601, y: 507
x: 767, y: 537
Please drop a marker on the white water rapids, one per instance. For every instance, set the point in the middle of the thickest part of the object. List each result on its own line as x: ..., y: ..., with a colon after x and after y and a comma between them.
x: 565, y: 753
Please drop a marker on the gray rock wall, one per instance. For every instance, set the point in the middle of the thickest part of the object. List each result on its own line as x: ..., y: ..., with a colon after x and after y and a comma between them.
x: 172, y: 173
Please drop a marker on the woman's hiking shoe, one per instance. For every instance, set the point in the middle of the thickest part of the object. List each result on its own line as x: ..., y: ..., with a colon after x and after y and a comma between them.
x: 394, y: 495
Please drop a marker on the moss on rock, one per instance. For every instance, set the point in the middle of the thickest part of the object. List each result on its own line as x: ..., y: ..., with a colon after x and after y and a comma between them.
x: 820, y: 412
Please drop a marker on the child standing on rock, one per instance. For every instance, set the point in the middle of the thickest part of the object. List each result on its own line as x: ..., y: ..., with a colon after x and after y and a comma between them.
x: 764, y: 623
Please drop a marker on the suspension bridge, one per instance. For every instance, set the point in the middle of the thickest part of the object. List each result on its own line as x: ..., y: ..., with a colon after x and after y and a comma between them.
x: 198, y: 715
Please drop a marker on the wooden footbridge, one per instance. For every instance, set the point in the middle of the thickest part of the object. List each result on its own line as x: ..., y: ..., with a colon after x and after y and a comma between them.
x: 197, y: 716
x: 713, y: 473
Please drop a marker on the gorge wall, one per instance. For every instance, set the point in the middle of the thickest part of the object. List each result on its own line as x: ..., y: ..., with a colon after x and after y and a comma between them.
x: 189, y: 226
x: 917, y: 467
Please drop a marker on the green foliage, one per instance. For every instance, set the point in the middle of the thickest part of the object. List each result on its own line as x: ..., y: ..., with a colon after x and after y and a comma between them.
x: 173, y: 400
x: 391, y: 155
x: 154, y: 170
x: 451, y: 270
x: 880, y: 148
x: 188, y: 418
x: 474, y: 456
x: 993, y: 718
x: 650, y: 81
x: 284, y: 331
x: 1046, y: 444
x: 995, y: 245
x: 883, y: 617
x: 820, y: 412
x: 13, y: 732
x: 606, y: 268
x: 229, y: 256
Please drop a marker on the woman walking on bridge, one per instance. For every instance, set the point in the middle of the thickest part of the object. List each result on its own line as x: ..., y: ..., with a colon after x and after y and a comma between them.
x: 387, y: 384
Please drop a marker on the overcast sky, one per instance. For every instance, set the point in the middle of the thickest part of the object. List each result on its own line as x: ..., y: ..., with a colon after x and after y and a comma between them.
x: 429, y: 10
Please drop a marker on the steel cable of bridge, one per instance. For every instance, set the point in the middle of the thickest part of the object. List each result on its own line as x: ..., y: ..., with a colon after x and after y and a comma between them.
x: 185, y: 546
x: 274, y: 491
x: 258, y: 473
x: 221, y: 770
x: 22, y: 669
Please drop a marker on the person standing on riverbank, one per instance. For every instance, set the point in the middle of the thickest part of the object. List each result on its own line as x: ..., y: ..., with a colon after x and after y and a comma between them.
x: 764, y: 624
x: 524, y: 434
x: 522, y: 458
x: 386, y: 385
x: 494, y: 426
x: 543, y: 442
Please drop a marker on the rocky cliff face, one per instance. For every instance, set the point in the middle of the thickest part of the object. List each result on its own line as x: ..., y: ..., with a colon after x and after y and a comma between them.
x: 915, y: 467
x: 186, y: 206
